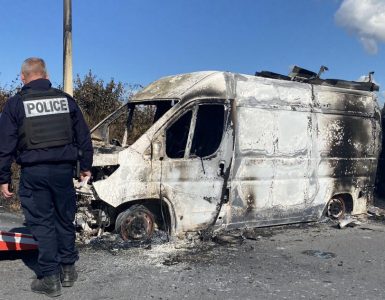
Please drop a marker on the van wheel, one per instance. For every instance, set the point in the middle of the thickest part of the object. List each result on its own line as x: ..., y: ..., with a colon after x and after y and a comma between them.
x: 336, y: 208
x: 135, y: 223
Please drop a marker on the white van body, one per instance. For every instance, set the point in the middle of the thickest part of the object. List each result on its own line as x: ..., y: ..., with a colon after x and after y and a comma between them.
x: 283, y: 150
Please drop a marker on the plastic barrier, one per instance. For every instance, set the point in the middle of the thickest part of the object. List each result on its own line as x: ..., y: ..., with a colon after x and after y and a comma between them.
x: 16, y: 241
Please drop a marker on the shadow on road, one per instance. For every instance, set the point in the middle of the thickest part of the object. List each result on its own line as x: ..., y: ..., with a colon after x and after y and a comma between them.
x: 29, y: 258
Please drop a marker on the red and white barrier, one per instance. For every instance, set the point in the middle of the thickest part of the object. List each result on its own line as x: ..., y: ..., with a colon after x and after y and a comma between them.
x: 16, y: 241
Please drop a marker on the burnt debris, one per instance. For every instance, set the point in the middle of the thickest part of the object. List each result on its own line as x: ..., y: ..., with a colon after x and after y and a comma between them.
x: 302, y: 75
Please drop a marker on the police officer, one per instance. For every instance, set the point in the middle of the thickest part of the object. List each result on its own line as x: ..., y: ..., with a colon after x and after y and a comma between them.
x: 44, y: 129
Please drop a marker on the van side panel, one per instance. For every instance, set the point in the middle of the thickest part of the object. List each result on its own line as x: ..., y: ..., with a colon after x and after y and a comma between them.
x: 271, y: 174
x: 297, y: 146
x: 348, y: 144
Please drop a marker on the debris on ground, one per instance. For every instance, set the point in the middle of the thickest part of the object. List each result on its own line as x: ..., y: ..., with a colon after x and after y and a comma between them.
x: 200, y: 242
x: 376, y: 212
x: 113, y: 242
x: 319, y: 254
x: 259, y: 233
x: 348, y: 221
x: 223, y: 239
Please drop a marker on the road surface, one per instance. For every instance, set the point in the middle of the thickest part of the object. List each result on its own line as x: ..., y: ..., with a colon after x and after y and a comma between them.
x: 311, y: 261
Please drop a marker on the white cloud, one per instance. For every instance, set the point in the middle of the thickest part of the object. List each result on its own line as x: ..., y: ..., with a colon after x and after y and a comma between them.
x: 364, y: 18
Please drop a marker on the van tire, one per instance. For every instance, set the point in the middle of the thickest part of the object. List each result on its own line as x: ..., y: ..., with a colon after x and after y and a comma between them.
x: 336, y: 208
x: 136, y: 223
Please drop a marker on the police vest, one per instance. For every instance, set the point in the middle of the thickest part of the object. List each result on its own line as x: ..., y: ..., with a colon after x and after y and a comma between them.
x: 47, y: 121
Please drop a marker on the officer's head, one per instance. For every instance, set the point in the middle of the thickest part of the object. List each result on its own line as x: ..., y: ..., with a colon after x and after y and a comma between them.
x: 33, y: 68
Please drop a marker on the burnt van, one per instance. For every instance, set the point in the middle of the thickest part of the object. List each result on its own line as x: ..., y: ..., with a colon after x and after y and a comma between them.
x: 226, y: 150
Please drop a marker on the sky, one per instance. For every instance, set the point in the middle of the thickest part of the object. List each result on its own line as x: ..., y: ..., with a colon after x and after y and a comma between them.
x: 139, y: 41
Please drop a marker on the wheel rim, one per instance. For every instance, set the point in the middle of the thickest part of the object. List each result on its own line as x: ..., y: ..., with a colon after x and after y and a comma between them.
x: 336, y: 208
x: 137, y: 225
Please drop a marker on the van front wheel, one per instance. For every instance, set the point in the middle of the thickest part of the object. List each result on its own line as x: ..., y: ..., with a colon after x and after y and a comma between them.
x: 135, y: 223
x: 336, y: 208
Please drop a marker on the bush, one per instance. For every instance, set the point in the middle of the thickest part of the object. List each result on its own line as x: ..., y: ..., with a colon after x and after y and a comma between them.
x: 96, y: 98
x: 12, y: 204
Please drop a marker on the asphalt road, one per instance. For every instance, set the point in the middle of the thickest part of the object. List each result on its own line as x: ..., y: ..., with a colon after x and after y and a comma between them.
x: 314, y: 261
x: 9, y: 221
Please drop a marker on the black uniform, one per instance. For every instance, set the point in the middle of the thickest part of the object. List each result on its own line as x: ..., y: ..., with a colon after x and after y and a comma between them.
x: 44, y: 129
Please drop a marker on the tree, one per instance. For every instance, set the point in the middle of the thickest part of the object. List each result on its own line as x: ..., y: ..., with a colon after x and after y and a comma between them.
x: 3, y: 98
x: 8, y: 91
x: 98, y: 99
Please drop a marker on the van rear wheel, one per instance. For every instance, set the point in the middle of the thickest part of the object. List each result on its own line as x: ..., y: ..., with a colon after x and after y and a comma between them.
x: 136, y: 223
x: 336, y: 208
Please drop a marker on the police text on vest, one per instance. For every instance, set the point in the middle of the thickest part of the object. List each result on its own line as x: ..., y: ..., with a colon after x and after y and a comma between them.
x: 42, y: 107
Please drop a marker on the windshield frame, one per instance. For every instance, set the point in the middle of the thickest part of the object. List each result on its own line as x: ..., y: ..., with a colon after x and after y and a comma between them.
x: 100, y: 132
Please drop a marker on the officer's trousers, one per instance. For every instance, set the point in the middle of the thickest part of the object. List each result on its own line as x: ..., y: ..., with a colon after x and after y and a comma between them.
x: 49, y: 203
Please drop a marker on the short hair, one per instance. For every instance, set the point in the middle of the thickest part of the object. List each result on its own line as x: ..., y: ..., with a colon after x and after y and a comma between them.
x: 34, y: 66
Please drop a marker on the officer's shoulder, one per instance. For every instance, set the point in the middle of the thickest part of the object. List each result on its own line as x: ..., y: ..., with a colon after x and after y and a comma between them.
x: 62, y: 92
x: 14, y: 99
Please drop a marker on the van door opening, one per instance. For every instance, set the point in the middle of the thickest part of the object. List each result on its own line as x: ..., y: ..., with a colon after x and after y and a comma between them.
x: 198, y: 149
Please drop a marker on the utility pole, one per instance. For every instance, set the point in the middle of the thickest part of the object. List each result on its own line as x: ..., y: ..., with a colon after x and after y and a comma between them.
x: 67, y: 48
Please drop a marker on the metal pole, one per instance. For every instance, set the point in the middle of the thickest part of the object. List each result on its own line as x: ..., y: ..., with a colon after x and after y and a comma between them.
x: 67, y: 48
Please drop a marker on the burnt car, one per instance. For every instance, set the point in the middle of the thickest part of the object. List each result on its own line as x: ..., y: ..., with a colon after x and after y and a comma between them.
x: 227, y: 150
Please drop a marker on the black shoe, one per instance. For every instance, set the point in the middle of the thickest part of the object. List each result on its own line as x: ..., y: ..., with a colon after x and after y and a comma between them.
x: 68, y: 275
x: 48, y: 285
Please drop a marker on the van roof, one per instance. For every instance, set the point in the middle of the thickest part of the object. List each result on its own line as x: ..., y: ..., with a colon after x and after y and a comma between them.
x: 215, y: 84
x: 176, y: 86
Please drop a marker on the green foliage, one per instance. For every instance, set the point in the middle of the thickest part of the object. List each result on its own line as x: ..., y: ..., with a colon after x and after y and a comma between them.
x: 141, y: 121
x: 7, y: 91
x: 98, y: 99
x: 3, y: 98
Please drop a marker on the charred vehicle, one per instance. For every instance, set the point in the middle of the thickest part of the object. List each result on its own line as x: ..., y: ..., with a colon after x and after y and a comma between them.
x: 228, y: 150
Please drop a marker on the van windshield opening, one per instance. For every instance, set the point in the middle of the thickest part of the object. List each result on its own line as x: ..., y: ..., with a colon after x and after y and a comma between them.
x: 129, y: 122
